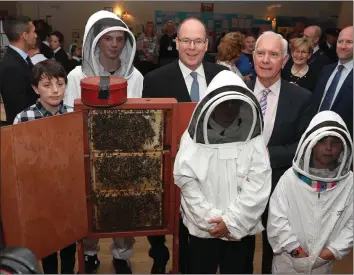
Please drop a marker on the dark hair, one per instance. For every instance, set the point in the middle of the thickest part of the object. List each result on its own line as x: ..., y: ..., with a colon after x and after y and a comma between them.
x: 47, y: 69
x: 59, y: 35
x: 192, y: 18
x: 293, y: 35
x: 250, y: 34
x: 42, y: 32
x: 14, y: 27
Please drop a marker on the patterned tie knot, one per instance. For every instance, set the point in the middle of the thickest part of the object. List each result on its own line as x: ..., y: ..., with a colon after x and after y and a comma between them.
x: 194, y: 75
x: 340, y: 67
x: 265, y: 92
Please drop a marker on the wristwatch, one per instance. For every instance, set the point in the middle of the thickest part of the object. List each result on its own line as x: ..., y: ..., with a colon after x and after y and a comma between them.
x: 296, y: 252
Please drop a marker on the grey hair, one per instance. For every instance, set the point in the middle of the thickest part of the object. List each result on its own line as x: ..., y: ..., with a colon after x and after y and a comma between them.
x: 276, y: 35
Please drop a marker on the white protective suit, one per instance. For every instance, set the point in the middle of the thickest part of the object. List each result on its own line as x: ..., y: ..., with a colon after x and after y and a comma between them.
x: 301, y: 216
x: 224, y: 171
x: 98, y: 24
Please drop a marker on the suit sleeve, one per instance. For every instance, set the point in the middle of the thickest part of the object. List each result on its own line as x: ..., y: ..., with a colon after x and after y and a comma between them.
x: 15, y: 92
x: 245, y: 212
x: 148, y: 87
x: 282, y: 155
x: 280, y: 236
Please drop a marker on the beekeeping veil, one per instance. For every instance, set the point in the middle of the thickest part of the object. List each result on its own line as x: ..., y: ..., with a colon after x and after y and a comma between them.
x: 228, y: 113
x: 97, y: 25
x: 324, y: 124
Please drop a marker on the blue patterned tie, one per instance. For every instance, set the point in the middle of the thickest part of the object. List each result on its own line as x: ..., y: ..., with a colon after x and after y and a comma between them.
x: 327, y: 101
x: 195, y: 87
x: 263, y: 101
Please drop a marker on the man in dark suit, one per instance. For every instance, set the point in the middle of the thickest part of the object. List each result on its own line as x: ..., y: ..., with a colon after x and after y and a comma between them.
x: 287, y: 113
x: 15, y: 67
x: 330, y: 45
x: 186, y: 80
x: 334, y: 89
x: 318, y: 58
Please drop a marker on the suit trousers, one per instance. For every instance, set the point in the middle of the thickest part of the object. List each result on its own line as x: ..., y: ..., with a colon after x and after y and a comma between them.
x: 232, y: 257
x: 67, y: 261
x: 159, y: 252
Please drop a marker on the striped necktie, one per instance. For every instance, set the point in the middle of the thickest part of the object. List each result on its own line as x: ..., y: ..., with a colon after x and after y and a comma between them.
x: 263, y: 101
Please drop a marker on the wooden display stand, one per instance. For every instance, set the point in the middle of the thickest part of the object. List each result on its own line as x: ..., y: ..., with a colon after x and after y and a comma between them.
x: 46, y: 180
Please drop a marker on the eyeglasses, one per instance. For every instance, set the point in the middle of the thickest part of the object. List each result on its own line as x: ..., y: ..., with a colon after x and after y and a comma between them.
x: 187, y: 42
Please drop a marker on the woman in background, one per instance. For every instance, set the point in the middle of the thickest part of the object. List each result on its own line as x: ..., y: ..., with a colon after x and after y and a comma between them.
x: 245, y: 63
x: 147, y: 47
x: 230, y: 50
x: 300, y: 73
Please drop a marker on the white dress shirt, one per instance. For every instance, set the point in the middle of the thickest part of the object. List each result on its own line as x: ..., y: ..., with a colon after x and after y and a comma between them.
x: 272, y: 105
x: 345, y: 72
x: 315, y: 49
x: 186, y: 72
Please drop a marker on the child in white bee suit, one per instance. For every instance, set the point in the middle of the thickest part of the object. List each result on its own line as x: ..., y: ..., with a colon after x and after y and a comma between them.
x: 310, y: 221
x: 223, y: 171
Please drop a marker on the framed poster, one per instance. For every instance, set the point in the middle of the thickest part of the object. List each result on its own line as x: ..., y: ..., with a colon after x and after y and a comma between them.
x: 206, y: 7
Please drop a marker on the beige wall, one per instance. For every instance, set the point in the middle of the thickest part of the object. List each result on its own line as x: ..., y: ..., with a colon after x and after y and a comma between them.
x: 345, y: 17
x: 72, y: 16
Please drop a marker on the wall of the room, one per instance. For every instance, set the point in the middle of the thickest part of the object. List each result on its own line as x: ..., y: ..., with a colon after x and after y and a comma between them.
x: 345, y: 17
x: 72, y: 16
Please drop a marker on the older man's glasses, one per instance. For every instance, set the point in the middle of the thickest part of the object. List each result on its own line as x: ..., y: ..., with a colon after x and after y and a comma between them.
x: 187, y: 42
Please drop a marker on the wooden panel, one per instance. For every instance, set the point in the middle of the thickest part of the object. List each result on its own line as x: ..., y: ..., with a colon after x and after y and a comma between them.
x: 43, y: 202
x: 134, y: 103
x: 184, y: 111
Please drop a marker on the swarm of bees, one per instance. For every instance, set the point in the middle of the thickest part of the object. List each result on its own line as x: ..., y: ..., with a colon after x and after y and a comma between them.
x: 126, y: 153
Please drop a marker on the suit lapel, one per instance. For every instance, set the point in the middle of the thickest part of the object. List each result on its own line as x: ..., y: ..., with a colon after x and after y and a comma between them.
x: 18, y: 58
x: 284, y: 105
x: 179, y: 83
x: 342, y: 92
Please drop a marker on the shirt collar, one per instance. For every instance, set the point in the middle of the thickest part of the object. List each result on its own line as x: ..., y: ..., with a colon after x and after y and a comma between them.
x: 348, y: 65
x: 275, y: 88
x: 56, y: 50
x: 19, y: 51
x: 44, y: 111
x: 329, y: 45
x: 186, y: 71
x: 315, y: 49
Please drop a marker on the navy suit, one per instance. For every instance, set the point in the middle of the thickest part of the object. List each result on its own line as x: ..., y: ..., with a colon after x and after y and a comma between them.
x: 343, y: 102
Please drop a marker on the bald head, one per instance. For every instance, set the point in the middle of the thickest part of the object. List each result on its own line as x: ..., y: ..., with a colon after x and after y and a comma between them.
x: 345, y: 45
x: 313, y: 33
x: 191, y: 22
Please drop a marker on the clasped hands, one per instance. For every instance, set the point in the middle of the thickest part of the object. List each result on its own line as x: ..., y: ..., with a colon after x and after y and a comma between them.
x: 220, y: 230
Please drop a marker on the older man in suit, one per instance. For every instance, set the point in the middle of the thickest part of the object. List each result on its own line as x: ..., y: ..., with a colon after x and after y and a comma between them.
x: 334, y: 89
x: 286, y: 110
x: 16, y: 66
x: 186, y: 80
x: 318, y: 58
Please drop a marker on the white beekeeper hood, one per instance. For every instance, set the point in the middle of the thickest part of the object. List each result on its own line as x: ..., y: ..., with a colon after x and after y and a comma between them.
x: 324, y: 124
x: 228, y: 113
x: 97, y: 25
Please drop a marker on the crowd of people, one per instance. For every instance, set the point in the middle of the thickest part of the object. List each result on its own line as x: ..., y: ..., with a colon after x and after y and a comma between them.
x: 268, y: 149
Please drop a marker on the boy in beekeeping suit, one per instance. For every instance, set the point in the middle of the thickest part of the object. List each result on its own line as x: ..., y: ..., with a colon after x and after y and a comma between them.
x: 224, y: 174
x: 310, y: 221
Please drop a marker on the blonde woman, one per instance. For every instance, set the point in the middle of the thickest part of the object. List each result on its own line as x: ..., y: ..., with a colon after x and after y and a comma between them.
x: 300, y: 73
x: 230, y: 50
